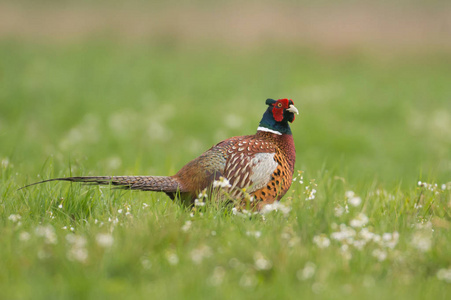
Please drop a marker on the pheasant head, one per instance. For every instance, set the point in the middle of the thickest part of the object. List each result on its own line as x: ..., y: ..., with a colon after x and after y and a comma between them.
x: 277, y: 116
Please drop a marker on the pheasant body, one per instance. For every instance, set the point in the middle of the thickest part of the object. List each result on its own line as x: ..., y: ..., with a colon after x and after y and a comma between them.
x: 260, y: 166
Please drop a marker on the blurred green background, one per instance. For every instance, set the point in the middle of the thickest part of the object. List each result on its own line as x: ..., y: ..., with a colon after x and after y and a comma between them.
x: 141, y: 88
x: 138, y: 87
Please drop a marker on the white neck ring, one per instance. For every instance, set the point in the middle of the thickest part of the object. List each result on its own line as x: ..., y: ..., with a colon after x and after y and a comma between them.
x: 268, y: 130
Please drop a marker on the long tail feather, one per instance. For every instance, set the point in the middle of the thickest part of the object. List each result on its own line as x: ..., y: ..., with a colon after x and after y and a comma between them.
x: 145, y: 183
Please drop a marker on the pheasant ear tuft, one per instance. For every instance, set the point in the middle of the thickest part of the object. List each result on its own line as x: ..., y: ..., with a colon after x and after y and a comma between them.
x: 270, y: 102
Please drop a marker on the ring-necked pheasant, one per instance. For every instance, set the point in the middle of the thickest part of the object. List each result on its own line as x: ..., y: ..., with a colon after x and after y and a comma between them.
x: 259, y: 166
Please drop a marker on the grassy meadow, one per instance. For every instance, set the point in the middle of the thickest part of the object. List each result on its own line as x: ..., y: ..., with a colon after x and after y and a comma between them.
x: 356, y: 223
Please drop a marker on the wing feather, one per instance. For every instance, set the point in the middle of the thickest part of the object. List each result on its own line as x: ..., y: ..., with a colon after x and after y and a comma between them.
x: 250, y: 167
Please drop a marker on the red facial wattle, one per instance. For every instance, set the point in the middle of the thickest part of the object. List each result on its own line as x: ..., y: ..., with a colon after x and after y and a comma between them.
x: 279, y: 108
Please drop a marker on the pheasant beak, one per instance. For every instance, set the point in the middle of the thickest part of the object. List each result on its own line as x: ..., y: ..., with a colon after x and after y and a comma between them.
x: 293, y: 109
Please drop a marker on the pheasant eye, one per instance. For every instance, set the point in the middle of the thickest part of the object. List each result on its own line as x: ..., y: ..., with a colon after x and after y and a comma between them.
x: 279, y: 104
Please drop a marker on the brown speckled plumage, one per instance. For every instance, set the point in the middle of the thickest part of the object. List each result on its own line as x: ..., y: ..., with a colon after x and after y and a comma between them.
x: 260, y: 166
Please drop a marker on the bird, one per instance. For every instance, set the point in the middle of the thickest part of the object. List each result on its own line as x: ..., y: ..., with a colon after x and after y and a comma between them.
x: 256, y: 169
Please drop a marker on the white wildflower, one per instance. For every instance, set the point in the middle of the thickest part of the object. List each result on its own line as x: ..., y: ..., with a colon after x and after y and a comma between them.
x: 381, y: 255
x: 198, y: 202
x: 104, y: 240
x: 203, y: 194
x: 24, y: 236
x: 76, y: 240
x: 145, y: 263
x: 386, y: 236
x: 186, y: 226
x: 311, y: 194
x: 47, y: 232
x: 78, y: 251
x: 285, y: 235
x: 261, y: 262
x: 349, y: 194
x: 377, y: 238
x: 424, y: 226
x: 355, y: 201
x: 359, y: 244
x: 429, y: 186
x: 60, y: 206
x: 119, y: 211
x: 276, y: 206
x: 321, y: 241
x: 114, y: 221
x: 198, y: 254
x: 243, y: 212
x: 294, y: 241
x: 78, y: 254
x: 307, y: 272
x: 222, y: 183
x: 172, y: 258
x: 444, y: 274
x: 218, y: 276
x: 344, y: 249
x: 145, y: 205
x: 346, y: 234
x: 359, y: 221
x: 422, y: 240
x: 255, y: 234
x: 390, y: 240
x: 366, y: 234
x: 51, y: 215
x: 5, y: 163
x: 339, y: 210
x: 14, y: 218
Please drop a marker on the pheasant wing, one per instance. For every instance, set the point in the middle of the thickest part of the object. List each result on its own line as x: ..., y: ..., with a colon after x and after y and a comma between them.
x: 250, y: 165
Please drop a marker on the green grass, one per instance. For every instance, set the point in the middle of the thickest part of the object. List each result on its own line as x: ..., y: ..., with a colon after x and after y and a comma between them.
x: 369, y: 124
